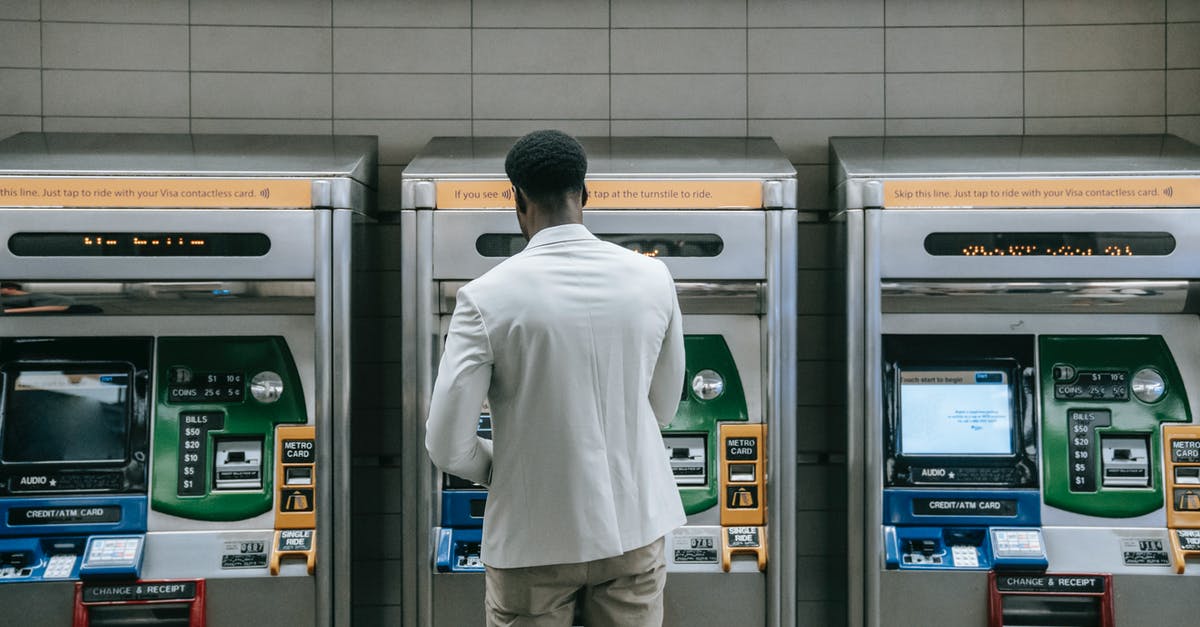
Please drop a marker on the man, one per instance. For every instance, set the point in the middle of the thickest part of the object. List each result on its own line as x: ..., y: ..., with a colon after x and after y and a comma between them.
x: 577, y: 344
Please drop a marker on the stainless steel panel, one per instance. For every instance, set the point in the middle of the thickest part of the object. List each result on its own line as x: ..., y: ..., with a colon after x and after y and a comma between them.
x: 216, y: 155
x: 274, y: 602
x: 291, y: 255
x: 695, y: 297
x: 338, y: 588
x: 328, y: 296
x: 457, y: 600
x: 1131, y: 296
x: 692, y: 599
x: 425, y: 367
x: 743, y: 232
x: 849, y: 227
x: 872, y: 422
x: 38, y: 604
x: 174, y: 298
x: 415, y: 524
x: 197, y: 554
x: 920, y: 599
x: 902, y: 252
x: 613, y: 157
x: 1027, y: 156
x: 779, y: 338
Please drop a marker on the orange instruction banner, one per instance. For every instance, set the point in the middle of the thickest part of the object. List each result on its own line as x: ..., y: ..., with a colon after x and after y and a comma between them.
x: 1067, y: 192
x: 608, y: 194
x: 155, y: 192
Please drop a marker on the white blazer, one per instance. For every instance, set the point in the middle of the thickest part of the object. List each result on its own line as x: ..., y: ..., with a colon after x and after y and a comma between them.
x: 578, y: 346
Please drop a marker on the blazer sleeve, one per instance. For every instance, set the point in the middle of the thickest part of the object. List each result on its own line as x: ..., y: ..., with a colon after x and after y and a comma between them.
x: 458, y: 394
x: 668, y: 370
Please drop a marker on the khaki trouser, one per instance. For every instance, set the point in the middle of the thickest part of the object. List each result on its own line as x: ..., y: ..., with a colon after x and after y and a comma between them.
x: 621, y: 591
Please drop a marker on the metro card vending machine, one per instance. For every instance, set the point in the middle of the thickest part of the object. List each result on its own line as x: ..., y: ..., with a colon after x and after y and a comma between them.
x: 720, y: 214
x: 1024, y: 360
x: 174, y: 377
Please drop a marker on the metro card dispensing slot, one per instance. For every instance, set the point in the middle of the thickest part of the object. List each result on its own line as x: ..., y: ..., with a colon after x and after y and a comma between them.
x: 743, y: 492
x: 295, y: 505
x: 1115, y: 392
x: 219, y: 402
x: 1181, y: 450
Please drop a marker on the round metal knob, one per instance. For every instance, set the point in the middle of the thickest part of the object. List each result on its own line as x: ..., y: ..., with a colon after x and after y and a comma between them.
x: 266, y: 387
x: 708, y: 384
x: 1148, y: 385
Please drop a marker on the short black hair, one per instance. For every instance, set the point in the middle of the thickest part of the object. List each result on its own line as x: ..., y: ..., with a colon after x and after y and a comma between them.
x: 546, y: 165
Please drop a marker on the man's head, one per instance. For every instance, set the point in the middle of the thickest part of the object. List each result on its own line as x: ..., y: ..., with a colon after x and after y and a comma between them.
x: 547, y: 169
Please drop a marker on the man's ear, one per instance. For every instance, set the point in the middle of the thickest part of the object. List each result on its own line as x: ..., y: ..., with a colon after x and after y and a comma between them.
x: 583, y: 197
x: 519, y: 198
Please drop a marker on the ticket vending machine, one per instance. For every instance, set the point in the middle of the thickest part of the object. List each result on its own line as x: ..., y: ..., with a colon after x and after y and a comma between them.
x: 174, y: 377
x: 1023, y: 347
x: 720, y: 214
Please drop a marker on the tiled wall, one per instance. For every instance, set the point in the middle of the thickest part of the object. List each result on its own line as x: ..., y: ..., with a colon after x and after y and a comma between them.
x: 406, y: 70
x: 797, y: 70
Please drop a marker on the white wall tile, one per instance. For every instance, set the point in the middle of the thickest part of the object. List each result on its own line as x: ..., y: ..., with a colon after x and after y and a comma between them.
x: 540, y: 13
x: 680, y: 128
x: 400, y: 96
x: 20, y: 44
x: 20, y: 9
x: 399, y: 140
x: 118, y: 11
x: 1056, y: 94
x: 1185, y: 126
x: 678, y: 50
x: 116, y: 125
x: 1183, y: 45
x: 1091, y: 126
x: 1122, y: 47
x: 678, y: 96
x: 1093, y: 11
x: 954, y: 126
x: 115, y: 46
x: 1181, y: 10
x: 13, y: 124
x: 819, y: 13
x: 516, y: 128
x: 816, y: 96
x: 262, y: 12
x: 523, y: 97
x: 954, y: 95
x: 402, y: 50
x: 409, y: 13
x: 807, y: 141
x: 259, y: 126
x: 255, y: 95
x: 540, y: 51
x: 1183, y: 92
x: 953, y: 13
x: 677, y: 13
x: 949, y: 49
x: 797, y: 50
x: 115, y: 94
x: 260, y: 49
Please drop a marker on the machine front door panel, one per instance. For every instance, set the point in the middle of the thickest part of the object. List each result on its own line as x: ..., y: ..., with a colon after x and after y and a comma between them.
x: 280, y: 248
x: 1126, y: 244
x: 709, y: 245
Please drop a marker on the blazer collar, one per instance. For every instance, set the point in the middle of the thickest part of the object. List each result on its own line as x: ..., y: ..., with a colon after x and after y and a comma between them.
x: 560, y: 233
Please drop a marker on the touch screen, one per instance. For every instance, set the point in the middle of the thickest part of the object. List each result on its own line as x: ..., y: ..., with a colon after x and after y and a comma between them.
x: 955, y: 412
x: 66, y: 415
